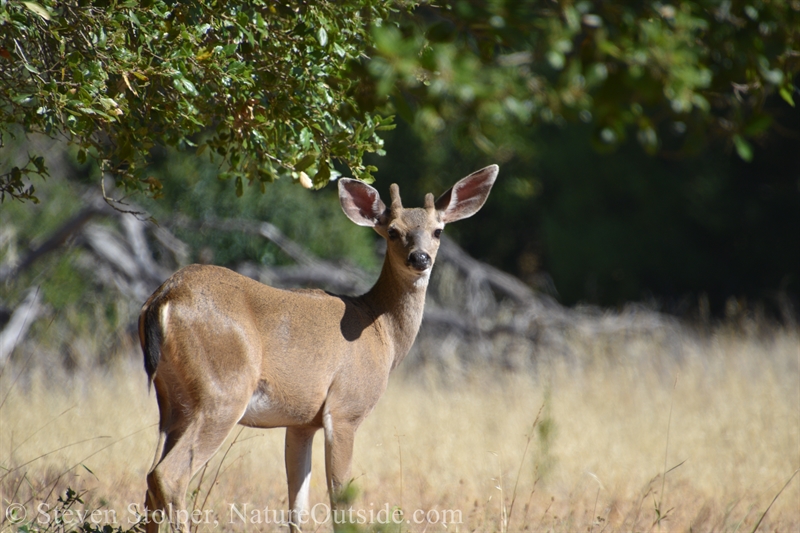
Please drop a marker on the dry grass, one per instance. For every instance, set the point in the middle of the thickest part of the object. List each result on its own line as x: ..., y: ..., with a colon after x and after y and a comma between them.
x: 594, y: 461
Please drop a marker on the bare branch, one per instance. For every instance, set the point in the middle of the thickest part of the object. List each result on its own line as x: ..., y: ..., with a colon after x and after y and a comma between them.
x: 24, y: 315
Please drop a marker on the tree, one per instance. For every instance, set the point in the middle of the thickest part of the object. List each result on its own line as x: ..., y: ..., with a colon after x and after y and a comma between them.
x: 702, y: 69
x: 693, y: 194
x: 283, y: 88
x: 263, y: 85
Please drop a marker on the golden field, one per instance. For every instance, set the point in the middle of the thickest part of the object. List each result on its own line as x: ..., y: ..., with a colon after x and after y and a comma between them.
x: 464, y: 447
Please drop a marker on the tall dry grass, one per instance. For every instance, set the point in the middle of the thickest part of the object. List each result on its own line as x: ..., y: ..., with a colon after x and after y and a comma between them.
x: 609, y: 421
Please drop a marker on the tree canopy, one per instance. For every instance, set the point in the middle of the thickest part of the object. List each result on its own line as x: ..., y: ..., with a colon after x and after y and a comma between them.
x: 702, y: 69
x: 282, y: 88
x: 263, y: 85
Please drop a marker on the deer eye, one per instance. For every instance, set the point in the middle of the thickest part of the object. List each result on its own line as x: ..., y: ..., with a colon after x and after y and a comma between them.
x: 437, y: 233
x: 393, y: 234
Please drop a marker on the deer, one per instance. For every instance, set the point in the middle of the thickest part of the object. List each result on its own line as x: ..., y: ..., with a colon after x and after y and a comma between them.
x: 222, y: 349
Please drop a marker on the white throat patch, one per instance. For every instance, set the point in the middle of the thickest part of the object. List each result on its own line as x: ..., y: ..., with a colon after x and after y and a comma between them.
x: 422, y: 281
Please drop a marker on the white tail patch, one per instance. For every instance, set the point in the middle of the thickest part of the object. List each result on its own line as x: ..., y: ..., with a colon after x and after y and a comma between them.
x: 163, y: 315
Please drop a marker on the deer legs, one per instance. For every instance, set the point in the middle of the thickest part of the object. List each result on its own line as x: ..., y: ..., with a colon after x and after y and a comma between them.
x: 339, y: 436
x: 186, y: 449
x: 299, y: 442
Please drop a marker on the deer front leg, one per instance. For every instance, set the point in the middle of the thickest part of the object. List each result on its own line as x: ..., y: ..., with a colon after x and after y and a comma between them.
x: 299, y: 442
x: 339, y: 437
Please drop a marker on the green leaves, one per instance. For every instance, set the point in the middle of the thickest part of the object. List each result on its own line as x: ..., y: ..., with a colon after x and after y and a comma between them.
x: 322, y: 36
x: 266, y: 86
x: 743, y: 148
x: 38, y: 9
x: 273, y: 89
x: 305, y: 162
x: 487, y: 70
x: 16, y: 184
x: 185, y: 86
x: 786, y: 93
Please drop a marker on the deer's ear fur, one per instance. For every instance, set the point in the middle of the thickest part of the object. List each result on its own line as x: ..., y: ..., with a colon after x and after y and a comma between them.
x: 466, y: 197
x: 361, y: 203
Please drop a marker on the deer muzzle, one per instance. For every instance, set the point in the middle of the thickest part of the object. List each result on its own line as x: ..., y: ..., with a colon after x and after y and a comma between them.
x: 419, y: 261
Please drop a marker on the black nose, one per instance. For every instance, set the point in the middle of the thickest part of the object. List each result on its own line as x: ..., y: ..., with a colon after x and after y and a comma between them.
x: 419, y: 260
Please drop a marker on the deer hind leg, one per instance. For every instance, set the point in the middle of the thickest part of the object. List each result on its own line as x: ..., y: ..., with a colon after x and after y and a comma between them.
x: 339, y: 438
x: 186, y: 449
x: 299, y: 442
x: 152, y: 500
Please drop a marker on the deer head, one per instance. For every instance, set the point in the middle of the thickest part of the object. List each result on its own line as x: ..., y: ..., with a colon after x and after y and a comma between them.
x: 413, y: 234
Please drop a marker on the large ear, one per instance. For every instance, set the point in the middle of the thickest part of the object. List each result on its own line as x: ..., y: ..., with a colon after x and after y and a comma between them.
x: 466, y: 197
x: 361, y: 203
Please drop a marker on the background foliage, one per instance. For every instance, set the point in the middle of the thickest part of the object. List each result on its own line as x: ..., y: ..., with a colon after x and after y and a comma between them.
x: 699, y: 69
x: 648, y: 150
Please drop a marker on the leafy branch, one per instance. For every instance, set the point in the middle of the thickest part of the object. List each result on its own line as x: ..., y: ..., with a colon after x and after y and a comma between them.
x: 264, y: 86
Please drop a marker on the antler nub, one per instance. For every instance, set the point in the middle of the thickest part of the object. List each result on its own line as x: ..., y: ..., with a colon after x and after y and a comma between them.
x: 394, y: 192
x: 429, y: 205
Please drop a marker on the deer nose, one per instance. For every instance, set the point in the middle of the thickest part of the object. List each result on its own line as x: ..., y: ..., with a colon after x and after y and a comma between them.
x: 419, y: 260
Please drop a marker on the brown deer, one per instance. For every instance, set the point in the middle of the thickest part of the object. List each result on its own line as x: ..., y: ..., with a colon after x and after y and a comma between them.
x: 223, y: 349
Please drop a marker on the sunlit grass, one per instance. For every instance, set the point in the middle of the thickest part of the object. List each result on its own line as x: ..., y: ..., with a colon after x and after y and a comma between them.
x: 595, y: 459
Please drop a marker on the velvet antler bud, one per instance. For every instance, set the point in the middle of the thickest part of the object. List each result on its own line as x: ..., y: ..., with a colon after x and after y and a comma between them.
x: 397, y: 204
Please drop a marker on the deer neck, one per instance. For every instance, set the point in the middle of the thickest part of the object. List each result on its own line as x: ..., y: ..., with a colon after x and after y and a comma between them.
x: 397, y: 301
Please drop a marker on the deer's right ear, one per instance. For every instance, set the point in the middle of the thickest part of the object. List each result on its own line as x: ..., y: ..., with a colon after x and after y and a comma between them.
x: 361, y: 203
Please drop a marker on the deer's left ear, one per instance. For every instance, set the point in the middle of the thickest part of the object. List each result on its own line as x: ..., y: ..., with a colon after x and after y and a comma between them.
x: 466, y: 197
